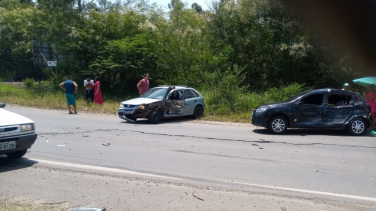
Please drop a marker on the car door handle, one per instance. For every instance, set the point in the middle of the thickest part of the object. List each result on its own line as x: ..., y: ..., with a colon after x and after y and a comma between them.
x: 195, y: 101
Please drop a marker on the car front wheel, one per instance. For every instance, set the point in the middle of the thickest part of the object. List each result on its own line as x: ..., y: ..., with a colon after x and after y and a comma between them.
x: 277, y: 125
x: 357, y: 127
x: 154, y: 117
x: 17, y: 154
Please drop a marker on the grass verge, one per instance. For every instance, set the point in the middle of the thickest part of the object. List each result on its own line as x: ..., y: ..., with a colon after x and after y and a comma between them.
x: 227, y: 104
x: 11, y: 205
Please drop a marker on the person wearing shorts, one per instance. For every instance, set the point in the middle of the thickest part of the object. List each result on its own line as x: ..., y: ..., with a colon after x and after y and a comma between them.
x: 70, y: 88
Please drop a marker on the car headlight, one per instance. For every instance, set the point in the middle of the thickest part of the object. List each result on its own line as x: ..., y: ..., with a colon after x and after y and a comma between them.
x: 27, y: 127
x: 141, y: 107
x: 261, y: 109
x: 121, y: 105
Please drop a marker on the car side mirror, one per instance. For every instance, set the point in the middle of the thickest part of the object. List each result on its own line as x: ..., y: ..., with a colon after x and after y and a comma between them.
x: 2, y: 105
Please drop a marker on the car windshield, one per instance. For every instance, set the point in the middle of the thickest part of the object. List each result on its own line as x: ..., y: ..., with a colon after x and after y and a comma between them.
x: 296, y: 96
x: 155, y: 93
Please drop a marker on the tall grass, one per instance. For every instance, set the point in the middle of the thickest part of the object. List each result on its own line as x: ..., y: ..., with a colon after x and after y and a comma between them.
x: 45, y: 98
x: 222, y: 103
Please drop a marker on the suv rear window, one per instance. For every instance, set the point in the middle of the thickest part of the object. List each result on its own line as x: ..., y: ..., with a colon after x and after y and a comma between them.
x: 340, y: 99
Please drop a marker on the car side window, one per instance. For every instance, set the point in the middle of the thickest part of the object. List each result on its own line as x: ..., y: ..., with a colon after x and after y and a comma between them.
x: 176, y: 95
x: 314, y: 99
x: 188, y: 94
x: 340, y: 99
x: 195, y: 93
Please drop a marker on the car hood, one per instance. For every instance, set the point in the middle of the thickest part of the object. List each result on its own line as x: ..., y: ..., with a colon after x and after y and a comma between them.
x: 140, y: 101
x: 10, y: 118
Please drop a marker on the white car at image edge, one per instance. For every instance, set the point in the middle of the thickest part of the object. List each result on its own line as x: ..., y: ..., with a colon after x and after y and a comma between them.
x: 17, y: 133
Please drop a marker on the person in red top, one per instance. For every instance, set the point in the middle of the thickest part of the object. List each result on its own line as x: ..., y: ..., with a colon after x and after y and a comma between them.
x: 371, y: 100
x: 143, y: 85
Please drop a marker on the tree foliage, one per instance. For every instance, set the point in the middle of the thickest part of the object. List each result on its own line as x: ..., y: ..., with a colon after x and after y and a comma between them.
x: 244, y: 44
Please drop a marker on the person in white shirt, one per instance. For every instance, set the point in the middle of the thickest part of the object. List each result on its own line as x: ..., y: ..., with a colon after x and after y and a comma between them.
x: 89, y: 94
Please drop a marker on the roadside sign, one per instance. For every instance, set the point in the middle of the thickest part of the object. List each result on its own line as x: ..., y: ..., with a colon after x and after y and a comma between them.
x: 52, y: 63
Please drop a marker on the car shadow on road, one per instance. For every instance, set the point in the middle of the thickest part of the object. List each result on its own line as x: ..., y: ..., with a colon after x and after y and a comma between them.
x: 7, y: 164
x: 310, y: 132
x: 164, y: 121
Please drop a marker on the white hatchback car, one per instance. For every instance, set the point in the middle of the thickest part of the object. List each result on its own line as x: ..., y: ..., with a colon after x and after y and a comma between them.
x: 17, y: 133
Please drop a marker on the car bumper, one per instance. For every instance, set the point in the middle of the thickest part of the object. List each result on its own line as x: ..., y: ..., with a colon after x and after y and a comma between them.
x: 259, y: 120
x: 133, y: 113
x: 22, y: 142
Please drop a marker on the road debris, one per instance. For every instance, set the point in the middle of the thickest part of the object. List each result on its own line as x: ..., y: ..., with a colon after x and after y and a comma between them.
x: 106, y: 144
x: 193, y: 194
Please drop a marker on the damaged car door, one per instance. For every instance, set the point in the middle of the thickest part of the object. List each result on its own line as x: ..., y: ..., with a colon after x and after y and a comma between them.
x: 338, y: 109
x: 308, y: 111
x: 175, y: 103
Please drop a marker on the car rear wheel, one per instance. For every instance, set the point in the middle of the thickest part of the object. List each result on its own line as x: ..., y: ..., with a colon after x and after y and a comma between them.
x: 17, y: 154
x: 357, y: 127
x: 277, y: 125
x: 154, y: 117
x: 199, y: 112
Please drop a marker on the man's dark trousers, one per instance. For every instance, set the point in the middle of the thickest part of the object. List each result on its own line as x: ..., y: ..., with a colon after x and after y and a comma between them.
x: 89, y: 95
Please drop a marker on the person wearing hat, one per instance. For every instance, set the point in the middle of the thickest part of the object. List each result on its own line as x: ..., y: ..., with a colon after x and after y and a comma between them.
x: 143, y: 85
x: 346, y: 87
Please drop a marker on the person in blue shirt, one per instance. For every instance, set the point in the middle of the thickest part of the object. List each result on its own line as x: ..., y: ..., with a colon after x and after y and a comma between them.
x: 70, y: 88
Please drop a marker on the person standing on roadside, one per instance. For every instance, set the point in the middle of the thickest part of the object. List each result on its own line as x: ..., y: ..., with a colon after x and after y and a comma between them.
x: 97, y: 92
x: 70, y: 88
x: 346, y: 87
x: 370, y: 97
x: 89, y: 94
x: 143, y: 85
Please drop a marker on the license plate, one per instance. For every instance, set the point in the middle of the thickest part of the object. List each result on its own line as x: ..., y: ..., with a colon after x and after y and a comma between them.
x: 128, y: 111
x: 8, y: 145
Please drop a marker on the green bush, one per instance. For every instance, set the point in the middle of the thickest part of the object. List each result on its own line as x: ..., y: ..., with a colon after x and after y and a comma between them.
x: 28, y: 82
x: 237, y: 104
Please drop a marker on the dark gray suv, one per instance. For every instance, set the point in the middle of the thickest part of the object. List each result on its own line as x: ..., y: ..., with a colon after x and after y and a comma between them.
x: 323, y: 108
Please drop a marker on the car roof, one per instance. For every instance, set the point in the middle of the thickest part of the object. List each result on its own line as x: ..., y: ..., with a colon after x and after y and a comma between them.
x: 176, y: 86
x: 333, y: 90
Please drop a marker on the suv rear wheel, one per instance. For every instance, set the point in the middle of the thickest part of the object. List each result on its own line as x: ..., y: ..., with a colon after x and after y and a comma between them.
x: 277, y: 125
x: 357, y: 127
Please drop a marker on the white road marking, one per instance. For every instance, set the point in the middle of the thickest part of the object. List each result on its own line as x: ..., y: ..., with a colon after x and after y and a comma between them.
x: 307, y: 191
x: 99, y: 168
x: 114, y: 170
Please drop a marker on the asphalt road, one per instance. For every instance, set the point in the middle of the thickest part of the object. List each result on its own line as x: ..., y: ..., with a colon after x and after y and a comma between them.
x: 312, y: 164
